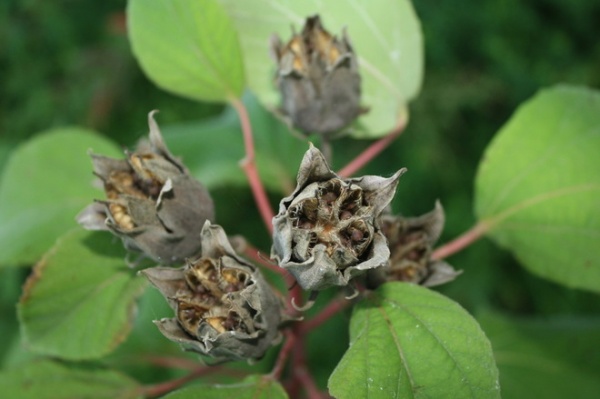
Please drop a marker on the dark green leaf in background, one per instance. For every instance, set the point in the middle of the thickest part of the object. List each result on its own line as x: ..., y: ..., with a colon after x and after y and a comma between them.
x: 253, y: 387
x: 550, y: 358
x: 538, y: 186
x: 407, y: 341
x: 188, y: 47
x: 46, y: 182
x: 53, y: 380
x: 385, y: 35
x: 79, y: 302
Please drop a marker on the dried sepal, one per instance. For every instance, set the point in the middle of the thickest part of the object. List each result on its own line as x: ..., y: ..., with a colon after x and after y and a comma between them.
x: 153, y: 204
x: 317, y: 75
x: 326, y: 231
x: 411, y: 242
x: 223, y: 306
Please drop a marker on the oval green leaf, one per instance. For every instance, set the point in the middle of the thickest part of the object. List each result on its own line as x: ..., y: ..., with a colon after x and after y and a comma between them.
x: 385, y: 35
x: 552, y: 357
x: 188, y: 47
x: 79, y: 302
x: 410, y: 342
x: 52, y: 380
x: 46, y: 182
x: 253, y: 387
x: 538, y: 186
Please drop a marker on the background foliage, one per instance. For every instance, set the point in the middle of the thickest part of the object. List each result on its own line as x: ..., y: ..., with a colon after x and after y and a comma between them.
x: 69, y: 63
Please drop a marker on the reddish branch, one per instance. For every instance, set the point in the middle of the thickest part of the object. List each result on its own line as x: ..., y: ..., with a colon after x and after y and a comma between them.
x: 329, y: 311
x: 373, y: 150
x: 249, y: 166
x: 460, y: 242
x: 157, y: 390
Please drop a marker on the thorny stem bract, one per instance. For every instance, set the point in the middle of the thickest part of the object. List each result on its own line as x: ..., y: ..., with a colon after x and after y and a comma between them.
x: 373, y: 150
x: 249, y: 166
x: 460, y: 242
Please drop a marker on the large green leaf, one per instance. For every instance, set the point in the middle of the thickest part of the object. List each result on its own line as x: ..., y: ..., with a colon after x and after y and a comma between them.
x: 79, y: 302
x: 553, y: 358
x: 46, y: 182
x: 53, y: 380
x: 538, y: 186
x: 385, y: 35
x: 253, y: 387
x: 410, y: 342
x: 188, y: 47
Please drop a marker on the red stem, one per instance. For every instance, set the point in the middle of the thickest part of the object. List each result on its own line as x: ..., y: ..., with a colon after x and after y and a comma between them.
x: 249, y: 166
x: 460, y: 242
x: 301, y: 372
x: 330, y: 310
x: 373, y: 150
x: 284, y: 354
x: 171, y: 362
x: 165, y: 387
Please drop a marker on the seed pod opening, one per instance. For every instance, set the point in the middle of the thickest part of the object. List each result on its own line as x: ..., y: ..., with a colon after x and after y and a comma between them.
x: 223, y: 306
x: 326, y: 231
x: 153, y: 204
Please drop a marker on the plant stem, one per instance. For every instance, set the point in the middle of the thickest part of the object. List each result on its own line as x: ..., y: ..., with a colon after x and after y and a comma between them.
x: 461, y: 242
x: 373, y: 150
x: 248, y: 164
x: 171, y: 362
x: 300, y: 369
x: 284, y: 354
x: 157, y: 390
x: 330, y: 310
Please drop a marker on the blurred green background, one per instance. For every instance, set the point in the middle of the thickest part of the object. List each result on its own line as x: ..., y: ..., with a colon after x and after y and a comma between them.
x: 68, y: 62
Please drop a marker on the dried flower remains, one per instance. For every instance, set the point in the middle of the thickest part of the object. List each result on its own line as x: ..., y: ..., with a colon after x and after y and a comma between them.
x: 223, y: 306
x: 317, y: 76
x: 153, y: 204
x: 326, y: 231
x: 411, y: 243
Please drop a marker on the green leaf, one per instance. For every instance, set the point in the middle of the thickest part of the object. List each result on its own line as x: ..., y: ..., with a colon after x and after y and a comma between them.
x: 550, y: 358
x: 53, y: 380
x: 188, y: 47
x: 79, y: 302
x: 538, y: 186
x: 253, y: 387
x: 410, y: 342
x: 385, y: 35
x: 46, y: 182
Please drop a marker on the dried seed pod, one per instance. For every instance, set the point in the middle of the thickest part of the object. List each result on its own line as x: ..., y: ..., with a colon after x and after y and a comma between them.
x: 318, y: 79
x: 411, y: 243
x: 223, y: 306
x: 153, y: 204
x: 326, y: 231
